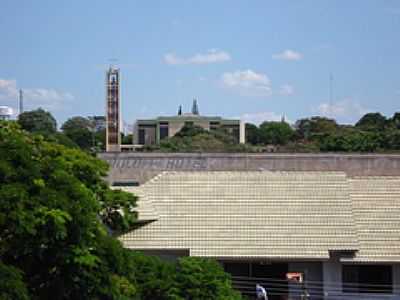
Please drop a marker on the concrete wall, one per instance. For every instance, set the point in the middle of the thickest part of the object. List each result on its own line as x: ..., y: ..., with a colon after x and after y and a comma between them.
x: 143, y: 166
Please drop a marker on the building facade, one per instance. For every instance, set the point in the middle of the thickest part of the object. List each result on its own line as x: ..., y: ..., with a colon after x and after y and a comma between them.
x: 152, y: 131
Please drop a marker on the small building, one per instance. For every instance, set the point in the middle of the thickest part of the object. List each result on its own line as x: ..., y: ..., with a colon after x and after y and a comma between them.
x: 152, y: 131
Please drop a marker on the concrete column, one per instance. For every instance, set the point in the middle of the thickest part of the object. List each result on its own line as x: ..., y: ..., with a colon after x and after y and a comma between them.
x: 332, y: 277
x: 242, y: 133
x: 396, y: 280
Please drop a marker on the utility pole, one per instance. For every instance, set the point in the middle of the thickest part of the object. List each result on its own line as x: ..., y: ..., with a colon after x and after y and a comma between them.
x: 330, y: 94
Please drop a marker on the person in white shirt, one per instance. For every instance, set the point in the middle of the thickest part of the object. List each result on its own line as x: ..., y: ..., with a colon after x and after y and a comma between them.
x: 261, y: 293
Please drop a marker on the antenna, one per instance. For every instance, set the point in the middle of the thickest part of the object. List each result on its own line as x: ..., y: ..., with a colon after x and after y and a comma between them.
x: 21, y: 101
x: 330, y: 91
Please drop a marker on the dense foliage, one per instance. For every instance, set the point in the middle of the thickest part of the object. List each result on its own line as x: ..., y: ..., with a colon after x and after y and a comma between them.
x: 372, y: 133
x: 189, y: 278
x: 55, y: 212
x: 58, y: 226
x: 80, y: 131
x: 38, y: 121
x: 193, y: 138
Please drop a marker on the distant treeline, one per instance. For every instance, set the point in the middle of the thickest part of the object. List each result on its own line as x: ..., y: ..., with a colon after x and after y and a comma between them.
x: 372, y: 133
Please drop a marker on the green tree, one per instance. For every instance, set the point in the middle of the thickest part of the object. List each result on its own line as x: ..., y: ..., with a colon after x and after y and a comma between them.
x: 80, y: 131
x: 12, y: 286
x: 203, y: 279
x: 394, y: 121
x: 193, y: 138
x: 391, y: 139
x: 372, y: 122
x: 252, y: 134
x: 55, y: 212
x: 351, y: 140
x: 314, y: 127
x: 38, y: 121
x: 127, y: 139
x: 156, y: 278
x: 276, y: 133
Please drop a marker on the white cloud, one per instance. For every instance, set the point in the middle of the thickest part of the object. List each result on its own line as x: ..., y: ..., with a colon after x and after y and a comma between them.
x: 8, y: 89
x: 259, y: 117
x: 288, y: 55
x: 247, y: 82
x: 210, y: 57
x: 50, y: 99
x: 346, y: 110
x: 286, y: 90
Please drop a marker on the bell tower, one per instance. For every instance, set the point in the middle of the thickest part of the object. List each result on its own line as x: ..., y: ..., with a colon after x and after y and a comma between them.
x: 113, y: 121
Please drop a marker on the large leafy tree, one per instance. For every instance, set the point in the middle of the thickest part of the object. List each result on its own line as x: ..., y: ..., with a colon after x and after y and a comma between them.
x: 80, y: 130
x: 276, y: 133
x: 314, y: 127
x: 203, y: 279
x: 55, y: 215
x: 252, y: 134
x: 192, y: 138
x: 372, y: 122
x: 38, y: 121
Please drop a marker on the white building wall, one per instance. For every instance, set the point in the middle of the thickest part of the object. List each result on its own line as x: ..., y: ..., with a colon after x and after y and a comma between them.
x: 332, y: 275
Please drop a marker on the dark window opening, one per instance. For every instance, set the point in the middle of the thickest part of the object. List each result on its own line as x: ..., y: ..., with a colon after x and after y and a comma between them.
x: 141, y: 136
x: 367, y: 279
x: 237, y: 268
x: 164, y: 131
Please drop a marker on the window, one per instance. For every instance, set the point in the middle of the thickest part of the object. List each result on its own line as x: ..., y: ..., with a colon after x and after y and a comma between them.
x: 367, y: 279
x: 141, y: 136
x: 214, y: 125
x: 163, y: 130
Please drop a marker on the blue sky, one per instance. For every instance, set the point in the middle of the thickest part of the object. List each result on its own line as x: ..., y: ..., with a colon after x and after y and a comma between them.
x: 251, y: 59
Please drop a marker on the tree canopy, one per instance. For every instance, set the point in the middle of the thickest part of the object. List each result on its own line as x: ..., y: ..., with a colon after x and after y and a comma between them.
x: 192, y: 138
x: 372, y: 121
x: 55, y: 215
x: 38, y: 121
x: 80, y: 130
x: 276, y: 133
x: 58, y: 226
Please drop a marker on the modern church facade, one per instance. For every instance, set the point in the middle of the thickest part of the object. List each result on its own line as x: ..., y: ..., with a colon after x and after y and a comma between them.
x: 152, y: 131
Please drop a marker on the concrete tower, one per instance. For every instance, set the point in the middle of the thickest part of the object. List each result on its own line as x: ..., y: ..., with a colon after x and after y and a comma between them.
x: 113, y: 118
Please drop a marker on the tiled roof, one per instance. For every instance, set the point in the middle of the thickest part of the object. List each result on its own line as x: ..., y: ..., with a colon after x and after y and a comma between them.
x: 376, y: 207
x: 283, y: 215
